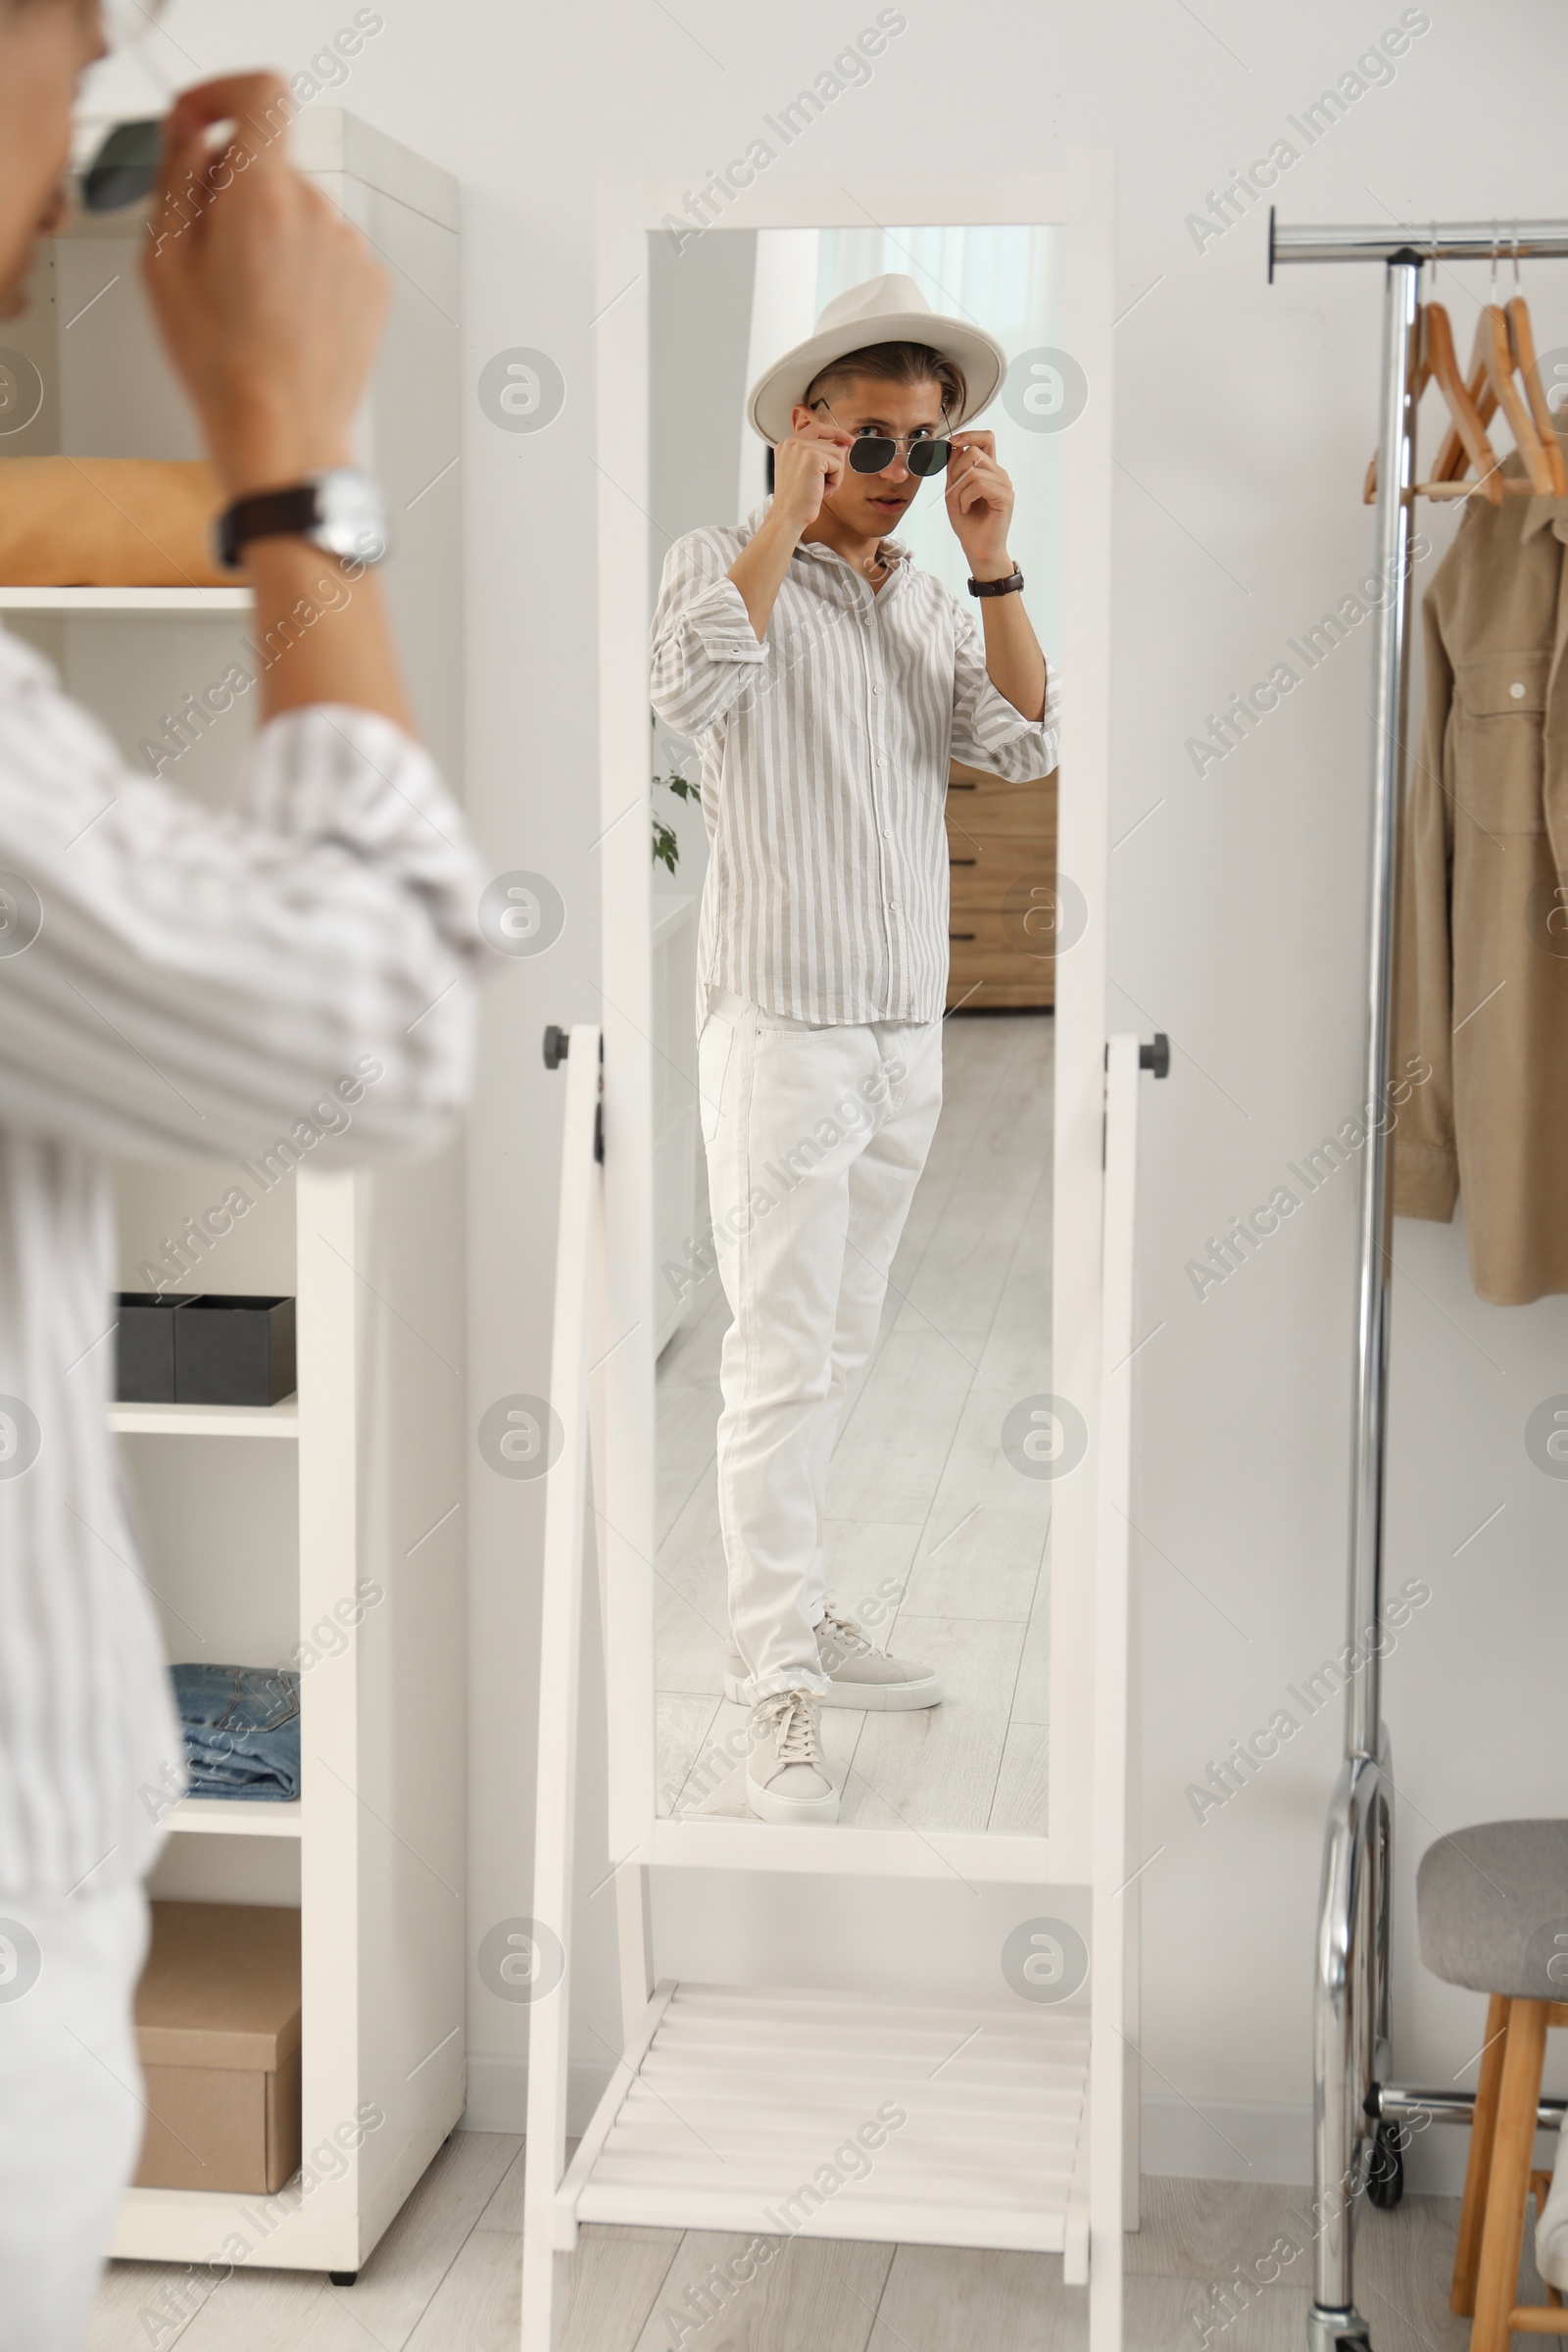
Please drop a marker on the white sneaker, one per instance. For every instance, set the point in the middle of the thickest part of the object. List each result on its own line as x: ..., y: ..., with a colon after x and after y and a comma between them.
x: 786, y: 1778
x: 860, y: 1675
x: 1551, y: 2230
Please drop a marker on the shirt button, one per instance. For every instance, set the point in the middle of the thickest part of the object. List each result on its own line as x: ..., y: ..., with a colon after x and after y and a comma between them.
x: 877, y: 690
x: 1517, y: 690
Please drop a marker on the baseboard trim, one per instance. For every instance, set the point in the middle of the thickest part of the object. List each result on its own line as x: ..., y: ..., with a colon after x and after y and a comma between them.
x: 1198, y: 2139
x: 497, y: 2093
x: 1242, y: 2140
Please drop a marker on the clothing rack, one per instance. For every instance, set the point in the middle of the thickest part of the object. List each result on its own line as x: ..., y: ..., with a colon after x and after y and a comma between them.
x: 1359, y: 2114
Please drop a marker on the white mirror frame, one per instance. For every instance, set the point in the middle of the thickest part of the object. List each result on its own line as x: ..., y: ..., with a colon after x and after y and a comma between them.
x: 1079, y: 196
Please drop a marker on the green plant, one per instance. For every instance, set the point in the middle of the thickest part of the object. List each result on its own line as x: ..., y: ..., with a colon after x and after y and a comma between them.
x: 667, y: 848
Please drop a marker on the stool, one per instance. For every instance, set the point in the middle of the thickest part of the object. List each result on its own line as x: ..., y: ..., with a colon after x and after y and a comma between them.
x: 1493, y: 1906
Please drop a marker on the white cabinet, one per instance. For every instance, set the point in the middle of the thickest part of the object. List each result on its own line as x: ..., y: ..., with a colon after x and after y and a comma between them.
x: 329, y: 1528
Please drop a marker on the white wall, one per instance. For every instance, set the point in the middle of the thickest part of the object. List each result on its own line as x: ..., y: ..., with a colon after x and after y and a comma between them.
x: 1245, y: 418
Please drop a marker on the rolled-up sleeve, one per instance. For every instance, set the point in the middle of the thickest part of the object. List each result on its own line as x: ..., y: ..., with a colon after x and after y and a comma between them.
x: 176, y: 980
x: 704, y: 649
x: 986, y: 731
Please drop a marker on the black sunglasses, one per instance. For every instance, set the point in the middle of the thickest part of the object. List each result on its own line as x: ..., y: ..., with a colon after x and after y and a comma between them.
x: 873, y: 453
x: 125, y: 166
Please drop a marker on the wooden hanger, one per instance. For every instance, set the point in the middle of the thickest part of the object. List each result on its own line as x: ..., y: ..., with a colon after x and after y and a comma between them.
x: 1436, y: 361
x: 1467, y: 423
x: 1453, y: 457
x: 1494, y: 349
x: 1524, y: 352
x: 1421, y: 377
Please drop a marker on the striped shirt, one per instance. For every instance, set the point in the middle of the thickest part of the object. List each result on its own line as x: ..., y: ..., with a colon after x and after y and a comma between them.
x: 824, y: 754
x: 172, y: 983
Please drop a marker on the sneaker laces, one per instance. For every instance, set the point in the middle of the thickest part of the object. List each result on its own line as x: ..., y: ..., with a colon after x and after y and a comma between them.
x: 839, y: 1637
x: 791, y: 1719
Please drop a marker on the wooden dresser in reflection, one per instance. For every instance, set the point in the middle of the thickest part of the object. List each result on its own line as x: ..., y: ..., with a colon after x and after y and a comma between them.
x: 1002, y: 866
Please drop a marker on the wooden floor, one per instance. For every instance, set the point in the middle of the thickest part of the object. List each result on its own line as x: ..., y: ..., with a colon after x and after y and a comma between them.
x: 936, y: 1542
x: 445, y: 2279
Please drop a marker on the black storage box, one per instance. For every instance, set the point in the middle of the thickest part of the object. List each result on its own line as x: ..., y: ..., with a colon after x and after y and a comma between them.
x: 234, y: 1350
x: 144, y: 1348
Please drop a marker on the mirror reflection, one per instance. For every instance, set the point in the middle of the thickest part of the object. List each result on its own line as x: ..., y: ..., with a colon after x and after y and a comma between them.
x: 856, y: 443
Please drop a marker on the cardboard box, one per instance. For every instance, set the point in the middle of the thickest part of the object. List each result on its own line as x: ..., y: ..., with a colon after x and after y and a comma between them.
x: 218, y: 2031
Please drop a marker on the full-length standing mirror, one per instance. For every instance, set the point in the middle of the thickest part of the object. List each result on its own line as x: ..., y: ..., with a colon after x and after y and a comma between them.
x: 954, y: 1472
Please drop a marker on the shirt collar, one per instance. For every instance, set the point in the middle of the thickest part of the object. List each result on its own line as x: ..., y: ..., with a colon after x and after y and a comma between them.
x: 1543, y: 513
x: 817, y: 551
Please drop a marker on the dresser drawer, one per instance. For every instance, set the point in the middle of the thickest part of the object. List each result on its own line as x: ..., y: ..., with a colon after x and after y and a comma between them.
x: 979, y: 976
x: 992, y: 873
x: 1024, y: 931
x: 986, y: 807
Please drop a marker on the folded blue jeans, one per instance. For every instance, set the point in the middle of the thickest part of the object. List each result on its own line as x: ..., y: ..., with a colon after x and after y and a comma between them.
x: 242, y: 1731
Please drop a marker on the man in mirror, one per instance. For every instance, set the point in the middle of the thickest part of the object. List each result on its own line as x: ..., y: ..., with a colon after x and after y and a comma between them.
x: 828, y: 681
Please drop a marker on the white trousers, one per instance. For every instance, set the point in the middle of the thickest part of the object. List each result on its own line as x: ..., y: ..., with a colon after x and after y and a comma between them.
x: 71, y: 2111
x: 815, y: 1140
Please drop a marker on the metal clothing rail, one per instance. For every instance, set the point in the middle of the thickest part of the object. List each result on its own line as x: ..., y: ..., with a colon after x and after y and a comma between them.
x: 1358, y: 2113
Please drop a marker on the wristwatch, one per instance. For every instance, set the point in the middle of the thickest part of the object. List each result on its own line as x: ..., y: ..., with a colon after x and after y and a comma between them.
x: 1007, y: 586
x: 341, y: 512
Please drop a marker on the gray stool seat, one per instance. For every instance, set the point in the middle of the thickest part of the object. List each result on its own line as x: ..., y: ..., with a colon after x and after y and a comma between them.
x: 1493, y: 1906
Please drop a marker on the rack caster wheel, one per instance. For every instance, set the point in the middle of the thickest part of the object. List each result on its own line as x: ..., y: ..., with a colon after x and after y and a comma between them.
x: 1385, y: 2176
x: 343, y: 2278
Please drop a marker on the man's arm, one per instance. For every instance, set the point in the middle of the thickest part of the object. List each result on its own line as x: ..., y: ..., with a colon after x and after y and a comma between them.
x: 176, y: 981
x: 1014, y: 663
x: 272, y: 306
x: 805, y: 469
x: 979, y: 498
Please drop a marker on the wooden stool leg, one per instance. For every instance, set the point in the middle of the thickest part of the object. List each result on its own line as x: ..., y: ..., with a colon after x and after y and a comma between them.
x: 1512, y: 2153
x: 1473, y: 2212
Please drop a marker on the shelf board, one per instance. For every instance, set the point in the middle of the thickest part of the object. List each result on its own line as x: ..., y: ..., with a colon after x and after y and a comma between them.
x: 124, y: 599
x: 236, y: 1817
x: 733, y: 2091
x: 208, y: 1420
x: 190, y: 2224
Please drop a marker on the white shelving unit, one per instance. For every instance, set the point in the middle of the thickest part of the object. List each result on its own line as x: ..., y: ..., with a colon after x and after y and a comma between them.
x: 339, y: 1551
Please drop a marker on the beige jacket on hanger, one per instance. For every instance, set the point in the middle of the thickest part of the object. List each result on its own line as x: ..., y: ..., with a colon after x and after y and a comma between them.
x: 1483, y: 930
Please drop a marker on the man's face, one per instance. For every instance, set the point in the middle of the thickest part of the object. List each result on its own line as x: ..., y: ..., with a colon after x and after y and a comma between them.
x: 45, y: 48
x: 871, y: 503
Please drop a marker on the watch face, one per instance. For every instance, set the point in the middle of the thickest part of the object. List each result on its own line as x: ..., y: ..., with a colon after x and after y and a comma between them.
x: 350, y: 520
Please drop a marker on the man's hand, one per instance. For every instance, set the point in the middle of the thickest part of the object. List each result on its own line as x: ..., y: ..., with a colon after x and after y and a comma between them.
x: 806, y: 467
x: 270, y: 307
x: 270, y: 303
x: 979, y: 498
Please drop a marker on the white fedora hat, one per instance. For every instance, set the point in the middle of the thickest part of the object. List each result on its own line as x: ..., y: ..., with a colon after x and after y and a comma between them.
x: 885, y: 310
